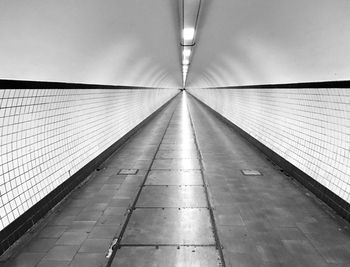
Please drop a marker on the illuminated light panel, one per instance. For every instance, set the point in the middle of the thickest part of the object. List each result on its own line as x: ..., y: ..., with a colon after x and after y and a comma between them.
x: 189, y: 19
x: 188, y: 34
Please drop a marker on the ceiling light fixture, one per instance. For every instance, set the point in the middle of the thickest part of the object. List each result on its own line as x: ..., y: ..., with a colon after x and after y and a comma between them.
x: 189, y: 20
x: 185, y: 61
x: 188, y: 34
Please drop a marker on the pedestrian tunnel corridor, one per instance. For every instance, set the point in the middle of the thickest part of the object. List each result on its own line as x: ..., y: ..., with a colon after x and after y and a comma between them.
x: 175, y: 133
x: 187, y: 190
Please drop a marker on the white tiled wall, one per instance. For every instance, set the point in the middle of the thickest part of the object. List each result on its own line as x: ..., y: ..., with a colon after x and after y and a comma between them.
x: 308, y: 127
x: 48, y: 135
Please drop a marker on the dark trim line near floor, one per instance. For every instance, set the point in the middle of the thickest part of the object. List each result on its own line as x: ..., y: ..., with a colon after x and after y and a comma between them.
x: 331, y: 199
x: 305, y: 85
x: 26, y: 84
x: 14, y: 231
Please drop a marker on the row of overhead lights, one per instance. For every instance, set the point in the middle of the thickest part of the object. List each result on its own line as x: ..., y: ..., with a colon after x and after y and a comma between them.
x: 189, y: 20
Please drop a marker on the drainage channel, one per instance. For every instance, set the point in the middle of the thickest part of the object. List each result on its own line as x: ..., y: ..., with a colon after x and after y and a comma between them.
x: 212, y: 218
x: 117, y: 239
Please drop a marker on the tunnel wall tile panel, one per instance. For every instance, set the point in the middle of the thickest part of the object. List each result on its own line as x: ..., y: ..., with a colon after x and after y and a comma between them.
x: 310, y: 128
x: 47, y: 135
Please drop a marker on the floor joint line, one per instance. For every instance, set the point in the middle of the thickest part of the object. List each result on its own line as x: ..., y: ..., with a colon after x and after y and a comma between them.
x: 118, y: 238
x: 212, y: 218
x: 167, y: 245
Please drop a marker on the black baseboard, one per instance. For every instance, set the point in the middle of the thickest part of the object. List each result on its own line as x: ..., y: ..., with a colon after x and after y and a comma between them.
x: 16, y: 229
x: 28, y: 84
x: 331, y: 199
x: 304, y: 85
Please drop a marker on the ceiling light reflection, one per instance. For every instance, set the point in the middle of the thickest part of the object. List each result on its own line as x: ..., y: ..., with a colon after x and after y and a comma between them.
x: 186, y: 52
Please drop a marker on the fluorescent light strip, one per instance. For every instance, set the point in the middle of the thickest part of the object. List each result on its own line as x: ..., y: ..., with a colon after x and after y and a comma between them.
x: 188, y: 34
x: 189, y: 19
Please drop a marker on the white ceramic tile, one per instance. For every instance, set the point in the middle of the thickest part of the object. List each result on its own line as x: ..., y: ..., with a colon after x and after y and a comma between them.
x: 308, y: 127
x: 47, y: 134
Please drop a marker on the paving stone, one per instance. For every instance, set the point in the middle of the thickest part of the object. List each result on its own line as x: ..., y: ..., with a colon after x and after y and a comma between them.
x: 167, y: 256
x: 47, y: 263
x: 169, y: 226
x: 41, y: 244
x: 176, y: 164
x: 96, y: 245
x: 172, y: 196
x: 174, y: 177
x: 61, y: 253
x: 62, y: 220
x: 105, y: 232
x: 72, y: 238
x: 81, y: 226
x: 88, y: 260
x: 52, y: 231
x: 26, y: 259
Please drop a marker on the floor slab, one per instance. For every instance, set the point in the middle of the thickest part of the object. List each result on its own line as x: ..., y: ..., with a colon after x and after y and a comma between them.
x: 172, y: 196
x: 177, y: 154
x: 176, y: 164
x: 167, y: 256
x: 189, y: 226
x: 174, y: 177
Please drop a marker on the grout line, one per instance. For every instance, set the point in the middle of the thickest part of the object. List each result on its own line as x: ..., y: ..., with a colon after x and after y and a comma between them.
x: 167, y: 245
x: 117, y: 239
x: 179, y: 208
x: 173, y: 185
x: 179, y: 169
x: 212, y: 218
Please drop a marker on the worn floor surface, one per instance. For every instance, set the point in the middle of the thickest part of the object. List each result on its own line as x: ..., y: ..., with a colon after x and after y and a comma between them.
x: 189, y: 204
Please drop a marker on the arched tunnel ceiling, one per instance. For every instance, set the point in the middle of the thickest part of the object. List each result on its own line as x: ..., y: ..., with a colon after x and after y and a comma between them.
x: 243, y: 42
x: 118, y: 42
x: 136, y: 42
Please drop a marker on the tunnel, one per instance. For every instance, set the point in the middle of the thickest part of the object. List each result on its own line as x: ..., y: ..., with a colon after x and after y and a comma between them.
x: 174, y: 133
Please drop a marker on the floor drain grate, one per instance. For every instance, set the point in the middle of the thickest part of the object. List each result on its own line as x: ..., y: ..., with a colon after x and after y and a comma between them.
x: 249, y: 172
x: 128, y: 171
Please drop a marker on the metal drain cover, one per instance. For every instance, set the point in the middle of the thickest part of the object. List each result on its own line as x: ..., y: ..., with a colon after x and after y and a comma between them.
x: 128, y: 171
x: 249, y: 172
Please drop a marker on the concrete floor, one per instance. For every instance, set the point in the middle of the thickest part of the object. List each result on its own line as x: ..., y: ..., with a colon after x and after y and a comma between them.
x: 189, y: 205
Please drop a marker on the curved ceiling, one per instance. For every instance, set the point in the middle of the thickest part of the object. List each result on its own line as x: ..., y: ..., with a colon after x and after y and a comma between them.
x: 244, y: 42
x: 136, y: 42
x: 118, y: 42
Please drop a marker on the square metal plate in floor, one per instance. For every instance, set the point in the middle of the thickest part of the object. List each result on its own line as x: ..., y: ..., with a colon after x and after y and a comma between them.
x: 128, y: 171
x: 169, y: 226
x: 167, y: 256
x: 249, y: 172
x: 172, y: 196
